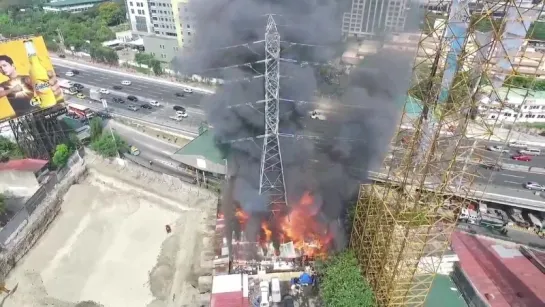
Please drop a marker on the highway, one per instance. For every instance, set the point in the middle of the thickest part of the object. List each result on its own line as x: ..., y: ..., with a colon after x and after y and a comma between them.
x: 505, y: 182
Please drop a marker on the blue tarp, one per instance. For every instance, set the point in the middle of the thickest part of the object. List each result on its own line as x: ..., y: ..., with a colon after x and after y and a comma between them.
x: 305, y: 279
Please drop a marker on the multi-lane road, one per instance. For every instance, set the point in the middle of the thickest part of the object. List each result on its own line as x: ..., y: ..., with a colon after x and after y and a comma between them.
x: 164, y: 94
x: 511, y: 181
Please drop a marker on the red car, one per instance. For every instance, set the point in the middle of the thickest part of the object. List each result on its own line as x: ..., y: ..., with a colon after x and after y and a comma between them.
x: 522, y: 158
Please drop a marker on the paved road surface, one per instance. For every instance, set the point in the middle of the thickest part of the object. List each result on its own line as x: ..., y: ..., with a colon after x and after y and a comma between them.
x: 156, y: 91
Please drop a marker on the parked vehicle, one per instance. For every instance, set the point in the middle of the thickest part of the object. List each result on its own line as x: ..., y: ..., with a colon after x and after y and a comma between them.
x: 117, y: 87
x: 179, y: 108
x: 146, y: 106
x: 132, y: 98
x: 516, y: 217
x: 95, y: 95
x: 118, y: 100
x: 154, y: 103
x: 133, y: 108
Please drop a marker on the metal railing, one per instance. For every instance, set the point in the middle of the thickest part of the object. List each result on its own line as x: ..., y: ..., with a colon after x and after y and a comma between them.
x: 19, y: 220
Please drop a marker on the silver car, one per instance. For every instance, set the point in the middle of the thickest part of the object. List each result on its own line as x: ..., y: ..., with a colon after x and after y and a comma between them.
x: 133, y: 108
x: 531, y: 185
x: 497, y: 149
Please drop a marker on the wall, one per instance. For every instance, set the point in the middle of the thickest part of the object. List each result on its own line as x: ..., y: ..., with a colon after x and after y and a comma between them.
x: 18, y: 183
x: 162, y: 48
x: 38, y: 222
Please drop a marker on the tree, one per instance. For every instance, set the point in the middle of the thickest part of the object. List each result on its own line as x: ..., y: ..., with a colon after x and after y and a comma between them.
x: 342, y: 283
x: 96, y: 128
x: 108, y: 145
x: 62, y: 153
x: 104, y: 55
x: 112, y: 13
x: 9, y: 149
x: 74, y: 141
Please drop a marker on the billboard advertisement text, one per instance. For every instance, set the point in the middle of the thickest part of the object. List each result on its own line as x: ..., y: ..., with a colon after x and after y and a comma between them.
x: 27, y: 79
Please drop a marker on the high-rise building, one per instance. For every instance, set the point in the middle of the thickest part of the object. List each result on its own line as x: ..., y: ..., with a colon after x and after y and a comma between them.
x: 368, y: 18
x: 157, y: 22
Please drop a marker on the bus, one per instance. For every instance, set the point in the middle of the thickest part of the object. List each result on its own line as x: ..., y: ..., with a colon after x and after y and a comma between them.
x: 80, y: 111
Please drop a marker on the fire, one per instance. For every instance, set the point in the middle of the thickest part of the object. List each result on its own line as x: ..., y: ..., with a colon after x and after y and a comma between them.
x: 300, y: 226
x: 241, y: 216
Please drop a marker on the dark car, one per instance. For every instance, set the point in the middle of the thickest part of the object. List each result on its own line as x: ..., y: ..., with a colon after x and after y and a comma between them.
x: 117, y: 87
x: 75, y: 71
x: 146, y: 106
x: 78, y: 86
x: 179, y: 94
x: 62, y: 56
x: 179, y: 108
x: 288, y: 301
x: 132, y: 98
x: 118, y: 100
x: 103, y: 115
x: 493, y: 166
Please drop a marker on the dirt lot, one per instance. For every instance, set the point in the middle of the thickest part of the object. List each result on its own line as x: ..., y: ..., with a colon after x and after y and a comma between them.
x: 109, y: 245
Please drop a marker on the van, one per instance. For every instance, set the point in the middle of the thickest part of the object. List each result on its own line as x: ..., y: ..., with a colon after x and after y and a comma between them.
x: 275, y: 291
x: 530, y: 151
x: 264, y: 288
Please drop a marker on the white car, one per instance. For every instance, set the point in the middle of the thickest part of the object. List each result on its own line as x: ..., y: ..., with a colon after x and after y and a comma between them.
x: 188, y: 90
x: 497, y: 149
x: 517, y: 145
x: 126, y: 82
x: 104, y: 91
x: 531, y: 185
x: 154, y: 103
x: 316, y: 114
x: 69, y: 74
x: 181, y: 114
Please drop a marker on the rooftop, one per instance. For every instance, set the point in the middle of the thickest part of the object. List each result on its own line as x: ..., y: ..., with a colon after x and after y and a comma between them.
x: 62, y: 3
x: 499, y: 271
x: 202, y: 153
x: 444, y: 293
x: 24, y: 165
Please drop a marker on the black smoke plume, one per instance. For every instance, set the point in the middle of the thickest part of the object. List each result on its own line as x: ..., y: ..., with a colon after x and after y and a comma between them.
x: 363, y: 116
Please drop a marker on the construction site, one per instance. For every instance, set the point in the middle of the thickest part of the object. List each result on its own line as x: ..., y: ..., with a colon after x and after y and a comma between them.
x: 108, y: 245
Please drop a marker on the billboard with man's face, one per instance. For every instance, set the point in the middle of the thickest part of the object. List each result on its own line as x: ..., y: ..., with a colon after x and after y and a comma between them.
x: 27, y: 79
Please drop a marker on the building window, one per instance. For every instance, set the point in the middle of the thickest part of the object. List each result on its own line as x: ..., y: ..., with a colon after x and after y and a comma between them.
x: 153, y: 54
x: 132, y: 11
x: 157, y: 32
x: 188, y: 26
x: 141, y: 24
x: 152, y: 3
x: 154, y: 18
x: 156, y: 25
x: 164, y: 56
x: 188, y: 33
x: 131, y: 3
x: 153, y: 11
x: 175, y: 48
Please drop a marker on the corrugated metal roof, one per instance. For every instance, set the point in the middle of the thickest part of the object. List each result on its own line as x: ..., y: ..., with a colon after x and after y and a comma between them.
x: 202, y: 153
x: 24, y: 165
x: 230, y: 291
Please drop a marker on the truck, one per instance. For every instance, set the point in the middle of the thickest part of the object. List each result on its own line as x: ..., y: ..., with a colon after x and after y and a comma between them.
x: 95, y: 95
x: 516, y: 217
x: 538, y: 224
x: 80, y: 111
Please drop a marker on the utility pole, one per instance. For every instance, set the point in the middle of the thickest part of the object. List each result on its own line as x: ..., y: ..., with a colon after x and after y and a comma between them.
x: 62, y: 46
x: 271, y: 181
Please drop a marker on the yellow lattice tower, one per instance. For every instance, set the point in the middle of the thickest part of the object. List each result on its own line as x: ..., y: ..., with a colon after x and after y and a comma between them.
x: 402, y: 226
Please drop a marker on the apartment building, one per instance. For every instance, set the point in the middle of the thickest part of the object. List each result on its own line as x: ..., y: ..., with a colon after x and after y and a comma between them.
x: 157, y: 22
x: 368, y: 18
x: 71, y: 6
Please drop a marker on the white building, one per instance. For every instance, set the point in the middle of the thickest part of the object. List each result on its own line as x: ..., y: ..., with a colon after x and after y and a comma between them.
x: 157, y: 22
x: 71, y: 6
x: 369, y: 17
x: 520, y: 106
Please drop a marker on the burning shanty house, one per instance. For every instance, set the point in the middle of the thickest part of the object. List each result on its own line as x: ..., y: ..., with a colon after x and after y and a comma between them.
x: 277, y: 242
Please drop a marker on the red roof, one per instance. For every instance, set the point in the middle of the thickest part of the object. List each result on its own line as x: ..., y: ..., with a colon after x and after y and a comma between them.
x: 500, y: 272
x: 25, y: 165
x: 228, y: 299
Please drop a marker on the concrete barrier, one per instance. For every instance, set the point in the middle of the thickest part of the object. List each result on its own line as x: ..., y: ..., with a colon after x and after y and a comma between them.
x: 537, y: 170
x: 515, y: 167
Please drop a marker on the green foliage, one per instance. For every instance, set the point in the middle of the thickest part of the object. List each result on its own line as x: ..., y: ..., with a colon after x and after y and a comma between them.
x: 111, y: 13
x: 2, y: 203
x: 525, y: 82
x: 96, y: 128
x: 62, y: 153
x: 108, y: 145
x: 9, y: 149
x: 537, y: 30
x: 342, y: 283
x: 104, y: 55
x: 485, y: 23
x: 77, y: 29
x: 73, y: 141
x: 148, y: 60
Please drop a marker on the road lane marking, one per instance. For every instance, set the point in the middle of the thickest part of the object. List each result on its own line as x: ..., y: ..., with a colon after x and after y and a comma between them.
x: 513, y: 182
x: 509, y: 175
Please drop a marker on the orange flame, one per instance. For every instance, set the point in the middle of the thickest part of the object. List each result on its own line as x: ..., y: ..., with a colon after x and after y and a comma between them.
x: 241, y: 216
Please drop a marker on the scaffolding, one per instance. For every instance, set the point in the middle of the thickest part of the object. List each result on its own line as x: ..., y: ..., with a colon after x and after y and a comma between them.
x: 402, y: 226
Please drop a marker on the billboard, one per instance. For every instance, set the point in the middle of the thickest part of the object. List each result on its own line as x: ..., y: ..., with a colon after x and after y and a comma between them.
x: 27, y: 79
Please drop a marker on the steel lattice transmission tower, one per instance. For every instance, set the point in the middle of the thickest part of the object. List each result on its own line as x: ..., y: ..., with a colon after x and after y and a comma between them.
x: 271, y: 180
x: 402, y: 226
